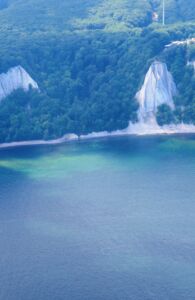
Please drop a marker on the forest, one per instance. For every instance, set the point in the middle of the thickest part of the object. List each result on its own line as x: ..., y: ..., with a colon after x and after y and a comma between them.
x: 89, y: 65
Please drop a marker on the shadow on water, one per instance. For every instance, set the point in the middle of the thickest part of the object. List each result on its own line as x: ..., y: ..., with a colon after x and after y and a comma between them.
x: 8, y: 174
x: 127, y: 144
x: 121, y: 231
x: 59, y: 161
x: 13, y: 184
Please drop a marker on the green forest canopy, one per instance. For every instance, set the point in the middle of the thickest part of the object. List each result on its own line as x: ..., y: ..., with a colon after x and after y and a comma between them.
x: 89, y: 58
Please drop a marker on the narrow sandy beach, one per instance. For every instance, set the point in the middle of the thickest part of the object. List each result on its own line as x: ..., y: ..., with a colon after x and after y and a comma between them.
x: 133, y: 129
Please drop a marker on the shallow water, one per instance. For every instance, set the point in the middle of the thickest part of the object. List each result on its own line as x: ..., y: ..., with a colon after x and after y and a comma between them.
x: 110, y: 219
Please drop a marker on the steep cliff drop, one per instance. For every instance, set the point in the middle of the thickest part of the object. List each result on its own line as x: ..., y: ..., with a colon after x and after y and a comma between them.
x: 14, y: 79
x: 192, y: 64
x: 158, y: 88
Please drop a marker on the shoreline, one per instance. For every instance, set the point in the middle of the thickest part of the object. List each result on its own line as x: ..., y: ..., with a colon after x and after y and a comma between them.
x: 137, y: 129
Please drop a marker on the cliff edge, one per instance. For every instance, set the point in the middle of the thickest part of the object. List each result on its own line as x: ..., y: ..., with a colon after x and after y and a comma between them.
x: 158, y: 88
x: 14, y: 79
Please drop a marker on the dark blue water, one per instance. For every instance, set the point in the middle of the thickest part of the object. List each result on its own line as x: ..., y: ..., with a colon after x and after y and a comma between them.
x: 110, y: 219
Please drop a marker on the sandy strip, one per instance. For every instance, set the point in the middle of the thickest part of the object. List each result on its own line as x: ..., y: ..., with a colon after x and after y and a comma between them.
x: 66, y: 138
x: 133, y: 129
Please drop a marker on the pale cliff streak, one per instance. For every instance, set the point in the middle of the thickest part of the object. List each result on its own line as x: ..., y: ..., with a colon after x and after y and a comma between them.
x: 14, y: 79
x: 158, y: 88
x: 192, y: 64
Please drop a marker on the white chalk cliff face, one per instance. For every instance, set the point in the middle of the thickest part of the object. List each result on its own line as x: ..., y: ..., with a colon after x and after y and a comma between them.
x: 192, y: 64
x: 14, y: 79
x: 158, y: 88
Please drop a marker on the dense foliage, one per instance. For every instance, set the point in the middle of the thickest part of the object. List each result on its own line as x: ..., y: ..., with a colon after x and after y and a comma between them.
x: 180, y: 61
x: 89, y: 59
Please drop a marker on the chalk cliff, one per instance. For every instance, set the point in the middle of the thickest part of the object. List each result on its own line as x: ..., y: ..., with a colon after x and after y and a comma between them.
x: 14, y: 79
x: 192, y: 64
x: 158, y: 88
x: 186, y: 42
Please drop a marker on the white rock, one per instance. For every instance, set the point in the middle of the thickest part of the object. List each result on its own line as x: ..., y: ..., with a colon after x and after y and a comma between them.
x: 158, y: 88
x: 14, y: 79
x: 187, y: 42
x: 192, y: 64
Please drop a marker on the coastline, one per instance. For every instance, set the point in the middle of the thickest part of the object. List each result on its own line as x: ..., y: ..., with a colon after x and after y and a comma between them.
x: 139, y: 129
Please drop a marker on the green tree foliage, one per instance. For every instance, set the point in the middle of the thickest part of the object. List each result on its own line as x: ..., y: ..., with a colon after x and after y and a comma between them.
x: 88, y: 74
x: 165, y: 115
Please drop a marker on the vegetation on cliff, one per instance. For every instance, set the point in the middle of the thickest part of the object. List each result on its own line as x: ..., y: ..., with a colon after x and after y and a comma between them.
x: 89, y: 59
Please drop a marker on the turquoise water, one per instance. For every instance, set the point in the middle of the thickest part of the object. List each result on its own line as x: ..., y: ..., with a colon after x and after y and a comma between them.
x: 109, y: 219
